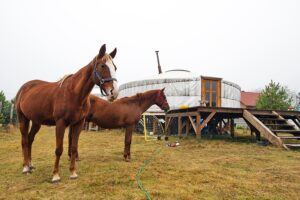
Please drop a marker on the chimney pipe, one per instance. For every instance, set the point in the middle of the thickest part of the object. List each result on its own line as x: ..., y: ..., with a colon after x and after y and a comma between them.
x: 159, y: 67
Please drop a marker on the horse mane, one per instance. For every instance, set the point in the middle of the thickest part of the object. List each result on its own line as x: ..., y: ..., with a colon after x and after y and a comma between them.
x: 61, y: 81
x: 133, y: 98
x: 139, y: 97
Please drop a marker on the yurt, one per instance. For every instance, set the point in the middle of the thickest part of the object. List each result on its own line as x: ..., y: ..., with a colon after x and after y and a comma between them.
x: 187, y: 89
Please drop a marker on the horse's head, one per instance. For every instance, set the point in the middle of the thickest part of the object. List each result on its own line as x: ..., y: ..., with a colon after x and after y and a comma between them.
x: 161, y: 100
x: 104, y: 73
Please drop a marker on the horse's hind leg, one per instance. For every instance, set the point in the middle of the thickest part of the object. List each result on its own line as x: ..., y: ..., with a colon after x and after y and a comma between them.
x: 34, y: 129
x: 70, y: 142
x: 24, y: 125
x: 76, y: 129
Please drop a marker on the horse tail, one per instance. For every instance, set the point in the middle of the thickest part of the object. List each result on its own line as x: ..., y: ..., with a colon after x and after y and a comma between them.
x: 18, y: 97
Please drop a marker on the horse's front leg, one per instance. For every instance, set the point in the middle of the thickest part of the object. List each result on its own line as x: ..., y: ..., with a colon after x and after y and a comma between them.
x: 76, y: 129
x: 60, y: 131
x: 128, y: 136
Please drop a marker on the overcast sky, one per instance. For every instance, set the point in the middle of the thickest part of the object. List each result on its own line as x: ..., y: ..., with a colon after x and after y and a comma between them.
x: 245, y: 42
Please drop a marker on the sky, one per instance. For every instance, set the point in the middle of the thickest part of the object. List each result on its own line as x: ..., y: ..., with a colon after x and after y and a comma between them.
x: 249, y: 43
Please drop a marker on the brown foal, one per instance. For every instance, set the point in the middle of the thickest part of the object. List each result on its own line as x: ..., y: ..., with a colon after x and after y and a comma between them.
x: 124, y: 113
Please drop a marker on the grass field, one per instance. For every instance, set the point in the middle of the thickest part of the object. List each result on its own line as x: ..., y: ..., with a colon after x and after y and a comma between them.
x: 206, y: 169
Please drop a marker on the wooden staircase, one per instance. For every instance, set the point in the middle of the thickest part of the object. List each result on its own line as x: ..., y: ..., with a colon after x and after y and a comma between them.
x: 275, y: 128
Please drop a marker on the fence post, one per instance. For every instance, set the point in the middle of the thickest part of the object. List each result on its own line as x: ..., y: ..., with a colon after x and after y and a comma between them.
x: 11, y: 113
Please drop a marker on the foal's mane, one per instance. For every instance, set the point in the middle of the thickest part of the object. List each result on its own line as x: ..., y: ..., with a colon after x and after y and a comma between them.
x: 139, y: 97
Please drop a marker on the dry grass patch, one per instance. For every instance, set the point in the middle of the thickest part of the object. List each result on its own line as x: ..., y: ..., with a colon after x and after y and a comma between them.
x: 208, y: 169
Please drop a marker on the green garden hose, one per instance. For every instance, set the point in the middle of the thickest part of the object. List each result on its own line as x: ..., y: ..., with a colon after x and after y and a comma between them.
x: 142, y: 169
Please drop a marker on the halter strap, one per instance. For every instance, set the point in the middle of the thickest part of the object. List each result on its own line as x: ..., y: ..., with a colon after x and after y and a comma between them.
x: 101, y: 79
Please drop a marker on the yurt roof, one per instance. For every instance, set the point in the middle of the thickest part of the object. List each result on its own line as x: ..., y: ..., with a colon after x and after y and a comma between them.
x: 170, y: 76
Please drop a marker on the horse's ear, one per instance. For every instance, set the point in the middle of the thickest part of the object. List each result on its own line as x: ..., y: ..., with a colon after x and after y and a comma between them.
x: 113, y: 53
x: 102, y: 51
x: 162, y: 90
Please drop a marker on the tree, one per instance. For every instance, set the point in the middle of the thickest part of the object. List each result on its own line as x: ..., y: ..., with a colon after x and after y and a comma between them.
x: 274, y: 97
x: 5, y: 110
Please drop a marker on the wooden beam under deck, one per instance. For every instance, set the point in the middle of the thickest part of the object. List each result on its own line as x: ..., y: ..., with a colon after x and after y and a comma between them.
x: 205, y: 122
x: 193, y: 124
x: 179, y: 126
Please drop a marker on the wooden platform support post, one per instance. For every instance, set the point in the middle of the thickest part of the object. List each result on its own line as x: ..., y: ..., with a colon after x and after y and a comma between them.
x: 257, y: 135
x: 232, y: 127
x: 167, y: 119
x: 198, y: 131
x: 179, y: 127
x: 187, y: 128
x: 154, y: 126
x: 167, y: 127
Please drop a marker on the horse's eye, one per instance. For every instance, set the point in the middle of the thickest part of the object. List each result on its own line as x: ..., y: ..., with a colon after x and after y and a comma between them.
x: 103, y: 65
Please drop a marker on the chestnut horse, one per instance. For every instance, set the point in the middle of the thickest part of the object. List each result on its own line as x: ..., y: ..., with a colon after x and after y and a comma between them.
x: 61, y: 104
x: 124, y: 113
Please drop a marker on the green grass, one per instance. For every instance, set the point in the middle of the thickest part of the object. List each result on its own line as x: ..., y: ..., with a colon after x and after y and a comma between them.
x: 220, y: 168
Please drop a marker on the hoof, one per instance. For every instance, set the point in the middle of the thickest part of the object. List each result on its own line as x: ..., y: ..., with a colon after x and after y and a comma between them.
x: 26, y: 170
x: 127, y: 159
x: 73, y: 175
x: 31, y: 167
x: 55, y: 178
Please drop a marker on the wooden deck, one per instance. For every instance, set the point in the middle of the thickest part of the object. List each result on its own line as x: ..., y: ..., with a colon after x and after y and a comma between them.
x: 268, y: 123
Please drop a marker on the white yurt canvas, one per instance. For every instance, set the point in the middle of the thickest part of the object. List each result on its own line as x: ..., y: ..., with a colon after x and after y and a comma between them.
x: 182, y: 87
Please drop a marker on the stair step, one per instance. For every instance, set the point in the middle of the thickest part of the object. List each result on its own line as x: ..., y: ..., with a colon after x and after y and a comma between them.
x: 293, y: 145
x: 287, y: 131
x: 286, y: 125
x: 271, y: 119
x: 289, y: 137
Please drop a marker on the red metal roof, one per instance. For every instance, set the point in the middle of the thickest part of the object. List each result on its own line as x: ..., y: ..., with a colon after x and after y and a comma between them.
x: 249, y: 98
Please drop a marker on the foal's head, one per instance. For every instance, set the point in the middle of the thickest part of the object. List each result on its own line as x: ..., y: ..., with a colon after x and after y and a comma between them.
x: 104, y: 73
x: 161, y: 100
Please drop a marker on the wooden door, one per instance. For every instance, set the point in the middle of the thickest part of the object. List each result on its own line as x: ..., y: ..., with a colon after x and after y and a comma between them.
x: 211, y: 91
